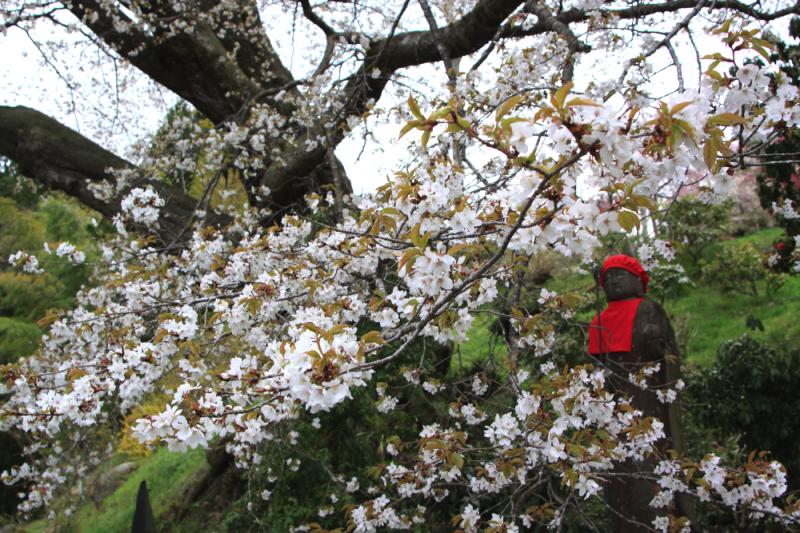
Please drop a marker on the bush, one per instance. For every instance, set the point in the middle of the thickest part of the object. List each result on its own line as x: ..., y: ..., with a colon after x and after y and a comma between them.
x: 27, y: 296
x: 19, y: 230
x: 63, y: 220
x: 17, y: 339
x: 741, y: 268
x: 694, y: 225
x: 751, y: 392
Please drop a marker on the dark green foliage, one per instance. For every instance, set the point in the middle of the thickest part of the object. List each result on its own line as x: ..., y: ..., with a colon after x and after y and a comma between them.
x: 27, y: 296
x: 777, y: 184
x: 19, y: 229
x: 751, y: 391
x: 63, y: 221
x: 17, y: 338
x: 13, y: 185
x: 10, y: 456
x: 779, y: 181
x: 740, y: 267
x: 694, y: 225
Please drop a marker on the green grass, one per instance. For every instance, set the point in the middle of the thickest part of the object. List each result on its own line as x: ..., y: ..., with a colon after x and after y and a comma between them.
x: 480, y: 342
x: 709, y: 318
x: 762, y: 239
x: 706, y: 318
x: 165, y: 473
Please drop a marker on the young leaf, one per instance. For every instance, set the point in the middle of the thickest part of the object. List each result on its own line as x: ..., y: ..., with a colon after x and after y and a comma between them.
x: 560, y: 95
x: 710, y: 152
x: 628, y: 220
x: 372, y: 337
x: 426, y: 136
x: 507, y: 106
x: 726, y: 119
x: 680, y: 107
x: 412, y: 104
x: 580, y: 101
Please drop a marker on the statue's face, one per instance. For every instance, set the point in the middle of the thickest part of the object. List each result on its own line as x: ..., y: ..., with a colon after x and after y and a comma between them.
x: 619, y: 284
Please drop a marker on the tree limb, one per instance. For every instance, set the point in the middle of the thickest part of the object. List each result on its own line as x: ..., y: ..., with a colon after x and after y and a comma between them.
x: 644, y: 9
x: 62, y: 159
x: 193, y: 63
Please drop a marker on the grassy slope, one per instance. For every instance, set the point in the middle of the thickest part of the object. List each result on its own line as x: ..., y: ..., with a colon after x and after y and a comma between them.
x: 712, y: 318
x: 708, y: 317
x: 165, y: 473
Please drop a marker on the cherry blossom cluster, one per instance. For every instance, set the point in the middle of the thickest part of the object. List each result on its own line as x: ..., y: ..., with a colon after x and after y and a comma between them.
x: 248, y: 329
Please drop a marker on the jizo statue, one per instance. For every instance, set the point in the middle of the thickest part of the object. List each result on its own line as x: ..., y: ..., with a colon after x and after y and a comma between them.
x: 634, y: 333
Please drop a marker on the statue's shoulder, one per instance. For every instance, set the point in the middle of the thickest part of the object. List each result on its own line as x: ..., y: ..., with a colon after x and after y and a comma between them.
x: 651, y: 308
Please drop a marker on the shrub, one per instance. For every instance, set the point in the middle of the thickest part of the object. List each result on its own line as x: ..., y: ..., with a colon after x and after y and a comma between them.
x: 19, y: 230
x: 751, y: 391
x: 17, y: 339
x: 27, y: 296
x: 695, y: 225
x: 741, y: 268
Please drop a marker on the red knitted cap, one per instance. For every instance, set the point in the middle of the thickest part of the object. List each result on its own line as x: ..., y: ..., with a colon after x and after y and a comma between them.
x: 625, y: 262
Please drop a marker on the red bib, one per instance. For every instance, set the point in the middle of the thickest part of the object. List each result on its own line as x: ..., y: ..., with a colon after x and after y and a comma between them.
x: 616, y: 327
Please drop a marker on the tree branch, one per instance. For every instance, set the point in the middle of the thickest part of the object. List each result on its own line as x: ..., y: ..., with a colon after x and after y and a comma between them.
x: 194, y: 63
x: 60, y: 158
x: 552, y: 23
x: 642, y: 10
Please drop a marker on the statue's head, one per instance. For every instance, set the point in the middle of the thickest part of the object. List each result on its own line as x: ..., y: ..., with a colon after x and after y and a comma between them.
x: 622, y: 277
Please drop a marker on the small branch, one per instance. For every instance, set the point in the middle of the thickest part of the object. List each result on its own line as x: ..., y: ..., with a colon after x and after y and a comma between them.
x: 440, y: 46
x: 678, y: 68
x: 551, y: 23
x: 315, y: 19
x: 683, y: 24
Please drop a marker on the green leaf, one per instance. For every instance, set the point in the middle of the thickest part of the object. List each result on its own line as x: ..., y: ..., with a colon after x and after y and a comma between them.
x: 726, y: 119
x: 313, y: 328
x: 440, y: 113
x: 582, y: 102
x: 412, y: 104
x: 408, y: 258
x: 686, y: 128
x: 461, y: 121
x: 710, y: 152
x: 628, y: 220
x: 680, y: 107
x: 372, y: 337
x: 457, y: 460
x: 560, y: 95
x: 507, y: 106
x: 645, y: 201
x: 408, y: 127
x: 426, y: 136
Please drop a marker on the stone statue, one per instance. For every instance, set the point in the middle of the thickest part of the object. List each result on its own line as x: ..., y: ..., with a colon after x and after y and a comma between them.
x: 630, y: 334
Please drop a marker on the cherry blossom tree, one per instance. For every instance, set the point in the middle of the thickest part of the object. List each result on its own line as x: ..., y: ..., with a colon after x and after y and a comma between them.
x: 281, y: 300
